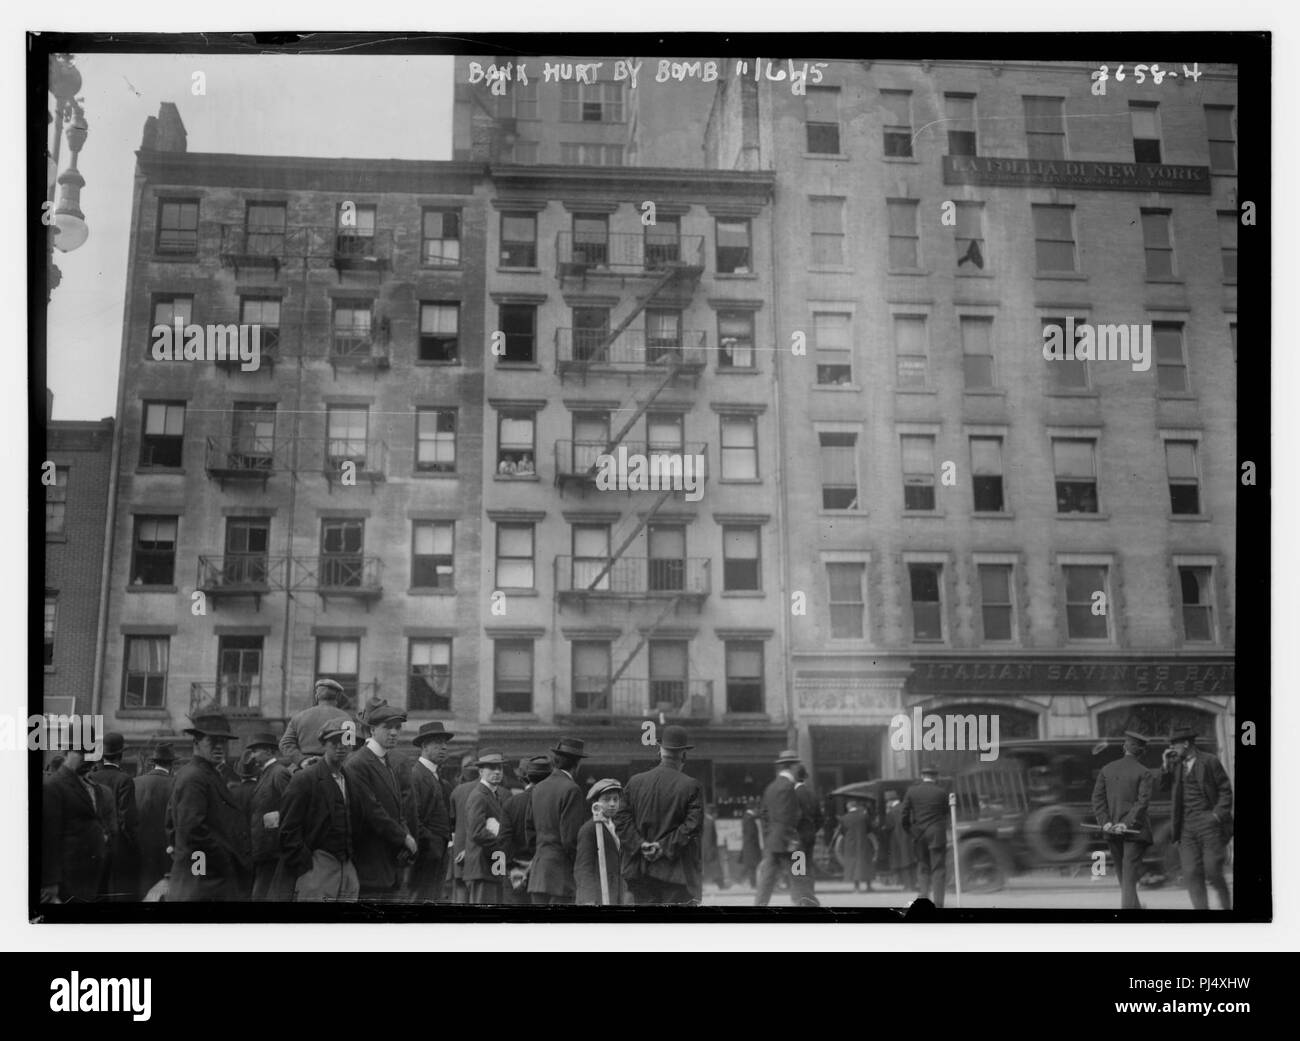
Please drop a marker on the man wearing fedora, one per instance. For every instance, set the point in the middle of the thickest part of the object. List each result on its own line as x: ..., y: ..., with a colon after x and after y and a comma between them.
x: 1202, y: 816
x: 459, y: 819
x: 659, y: 827
x: 271, y: 781
x: 210, y: 855
x: 782, y: 814
x: 559, y: 812
x: 76, y: 829
x: 319, y: 821
x: 153, y: 791
x: 429, y: 813
x: 383, y: 844
x: 523, y: 835
x: 487, y: 833
x: 300, y: 733
x: 1120, y: 800
x: 123, y: 856
x: 598, y: 832
x: 925, y: 818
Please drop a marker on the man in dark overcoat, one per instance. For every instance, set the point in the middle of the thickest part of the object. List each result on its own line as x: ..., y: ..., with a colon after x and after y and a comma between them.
x: 559, y: 811
x: 783, y: 845
x: 1202, y: 816
x: 487, y: 833
x: 1121, y: 799
x: 523, y: 834
x: 123, y: 850
x: 429, y: 813
x: 76, y: 824
x: 153, y: 791
x: 264, y: 812
x: 459, y: 818
x: 318, y: 820
x: 925, y: 818
x: 383, y: 844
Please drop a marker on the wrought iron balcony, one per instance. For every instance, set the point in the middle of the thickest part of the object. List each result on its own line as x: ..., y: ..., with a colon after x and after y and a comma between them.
x: 362, y: 251
x: 233, y: 695
x: 578, y: 579
x: 268, y: 350
x: 622, y: 254
x: 594, y: 700
x: 349, y: 575
x: 345, y: 248
x: 350, y: 459
x: 245, y: 457
x: 633, y: 465
x: 633, y: 351
x: 241, y: 575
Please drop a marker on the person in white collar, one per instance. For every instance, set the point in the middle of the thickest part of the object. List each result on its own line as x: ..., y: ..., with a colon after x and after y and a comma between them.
x: 1201, y: 825
x: 428, y: 813
x: 487, y: 833
x: 383, y: 844
x: 781, y: 846
x: 264, y: 805
x: 598, y: 847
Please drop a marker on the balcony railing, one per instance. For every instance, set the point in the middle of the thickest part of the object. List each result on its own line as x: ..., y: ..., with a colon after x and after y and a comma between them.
x: 621, y: 253
x: 241, y: 574
x: 634, y: 350
x: 339, y: 574
x: 634, y: 698
x: 633, y: 465
x: 245, y: 457
x: 242, y: 246
x: 361, y: 458
x: 234, y: 695
x: 268, y: 349
x: 633, y: 578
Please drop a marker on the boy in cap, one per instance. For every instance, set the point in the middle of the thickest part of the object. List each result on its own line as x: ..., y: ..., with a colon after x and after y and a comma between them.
x: 319, y: 820
x: 598, y: 833
x: 558, y: 816
x: 487, y: 833
x: 383, y: 843
x: 1120, y: 799
x: 429, y: 814
x: 270, y: 781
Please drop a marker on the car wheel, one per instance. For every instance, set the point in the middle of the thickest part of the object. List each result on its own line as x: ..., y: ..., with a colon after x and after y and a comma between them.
x: 985, y: 865
x: 1055, y: 834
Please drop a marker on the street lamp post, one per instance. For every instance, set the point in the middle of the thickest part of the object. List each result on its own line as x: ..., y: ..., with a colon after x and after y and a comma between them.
x: 69, y: 223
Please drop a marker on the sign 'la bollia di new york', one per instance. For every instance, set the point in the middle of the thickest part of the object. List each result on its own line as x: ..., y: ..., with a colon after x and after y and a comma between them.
x: 993, y: 172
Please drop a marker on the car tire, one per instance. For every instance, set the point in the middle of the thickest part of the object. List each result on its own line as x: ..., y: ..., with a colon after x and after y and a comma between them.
x: 985, y: 865
x: 1055, y: 835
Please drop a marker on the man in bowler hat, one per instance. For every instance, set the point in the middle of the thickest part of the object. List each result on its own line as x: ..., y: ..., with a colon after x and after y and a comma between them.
x: 1202, y: 816
x: 659, y: 827
x: 153, y: 791
x: 925, y: 818
x: 383, y: 844
x: 783, y: 847
x: 487, y: 833
x: 123, y: 855
x: 1121, y: 799
x: 300, y: 733
x: 270, y: 782
x: 319, y: 820
x: 210, y: 855
x: 429, y: 813
x: 559, y: 812
x: 523, y: 835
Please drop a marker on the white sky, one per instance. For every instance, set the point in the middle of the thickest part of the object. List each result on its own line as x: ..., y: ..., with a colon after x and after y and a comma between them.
x: 379, y: 107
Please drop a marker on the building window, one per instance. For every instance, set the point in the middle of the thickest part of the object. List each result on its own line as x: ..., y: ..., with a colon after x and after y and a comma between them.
x: 590, y: 439
x: 514, y: 565
x: 1222, y: 137
x: 1228, y: 245
x: 178, y: 225
x: 263, y: 312
x: 590, y: 333
x: 440, y: 237
x: 739, y: 448
x: 848, y: 609
x: 1045, y: 127
x: 1075, y: 465
x: 591, y: 563
x: 745, y: 676
x: 666, y: 554
x: 995, y: 601
x: 521, y: 102
x: 519, y: 323
x: 591, y: 102
x: 355, y: 230
x: 918, y: 472
x: 516, y: 443
x: 926, y: 586
x: 665, y: 431
x: 1158, y: 244
x: 153, y: 552
x: 662, y: 243
x: 1146, y: 131
x: 904, y: 238
x: 827, y: 221
x: 1184, y: 477
x: 668, y: 672
x: 345, y: 436
x: 733, y: 247
x: 435, y: 440
x: 591, y: 239
x: 741, y: 558
x: 433, y: 555
x: 339, y: 660
x: 239, y: 671
x: 1054, y: 238
x: 977, y: 353
x: 896, y: 109
x: 910, y: 350
x: 1068, y: 373
x: 264, y: 226
x: 986, y: 474
x: 253, y: 435
x: 518, y: 240
x: 144, y: 676
x: 440, y: 332
x: 592, y: 667
x: 1087, y: 615
x: 1171, y: 363
x: 163, y: 439
x: 56, y: 502
x: 513, y: 676
x: 971, y: 248
x: 960, y: 112
x: 834, y: 347
x: 1197, y: 589
x: 342, y: 553
x: 169, y: 309
x: 352, y: 323
x: 736, y: 340
x: 821, y: 108
x: 663, y: 335
x: 50, y: 622
x: 577, y: 153
x: 247, y: 542
x: 428, y: 679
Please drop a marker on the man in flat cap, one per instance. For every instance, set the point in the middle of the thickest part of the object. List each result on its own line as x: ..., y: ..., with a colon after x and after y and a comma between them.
x: 429, y: 813
x: 123, y: 852
x: 783, y: 849
x: 487, y: 833
x: 598, y: 848
x: 1121, y: 799
x: 210, y: 855
x: 153, y: 791
x: 558, y: 815
x: 76, y: 826
x: 271, y: 781
x: 318, y: 822
x: 925, y: 818
x: 659, y: 827
x: 300, y: 733
x: 383, y: 843
x: 523, y: 834
x: 1202, y: 816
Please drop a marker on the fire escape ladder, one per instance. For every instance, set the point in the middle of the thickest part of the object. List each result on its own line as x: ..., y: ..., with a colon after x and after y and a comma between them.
x: 614, y: 441
x: 643, y: 639
x: 623, y: 546
x: 640, y: 304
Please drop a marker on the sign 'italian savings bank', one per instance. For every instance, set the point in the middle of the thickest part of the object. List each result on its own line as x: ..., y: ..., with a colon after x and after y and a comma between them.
x: 993, y: 172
